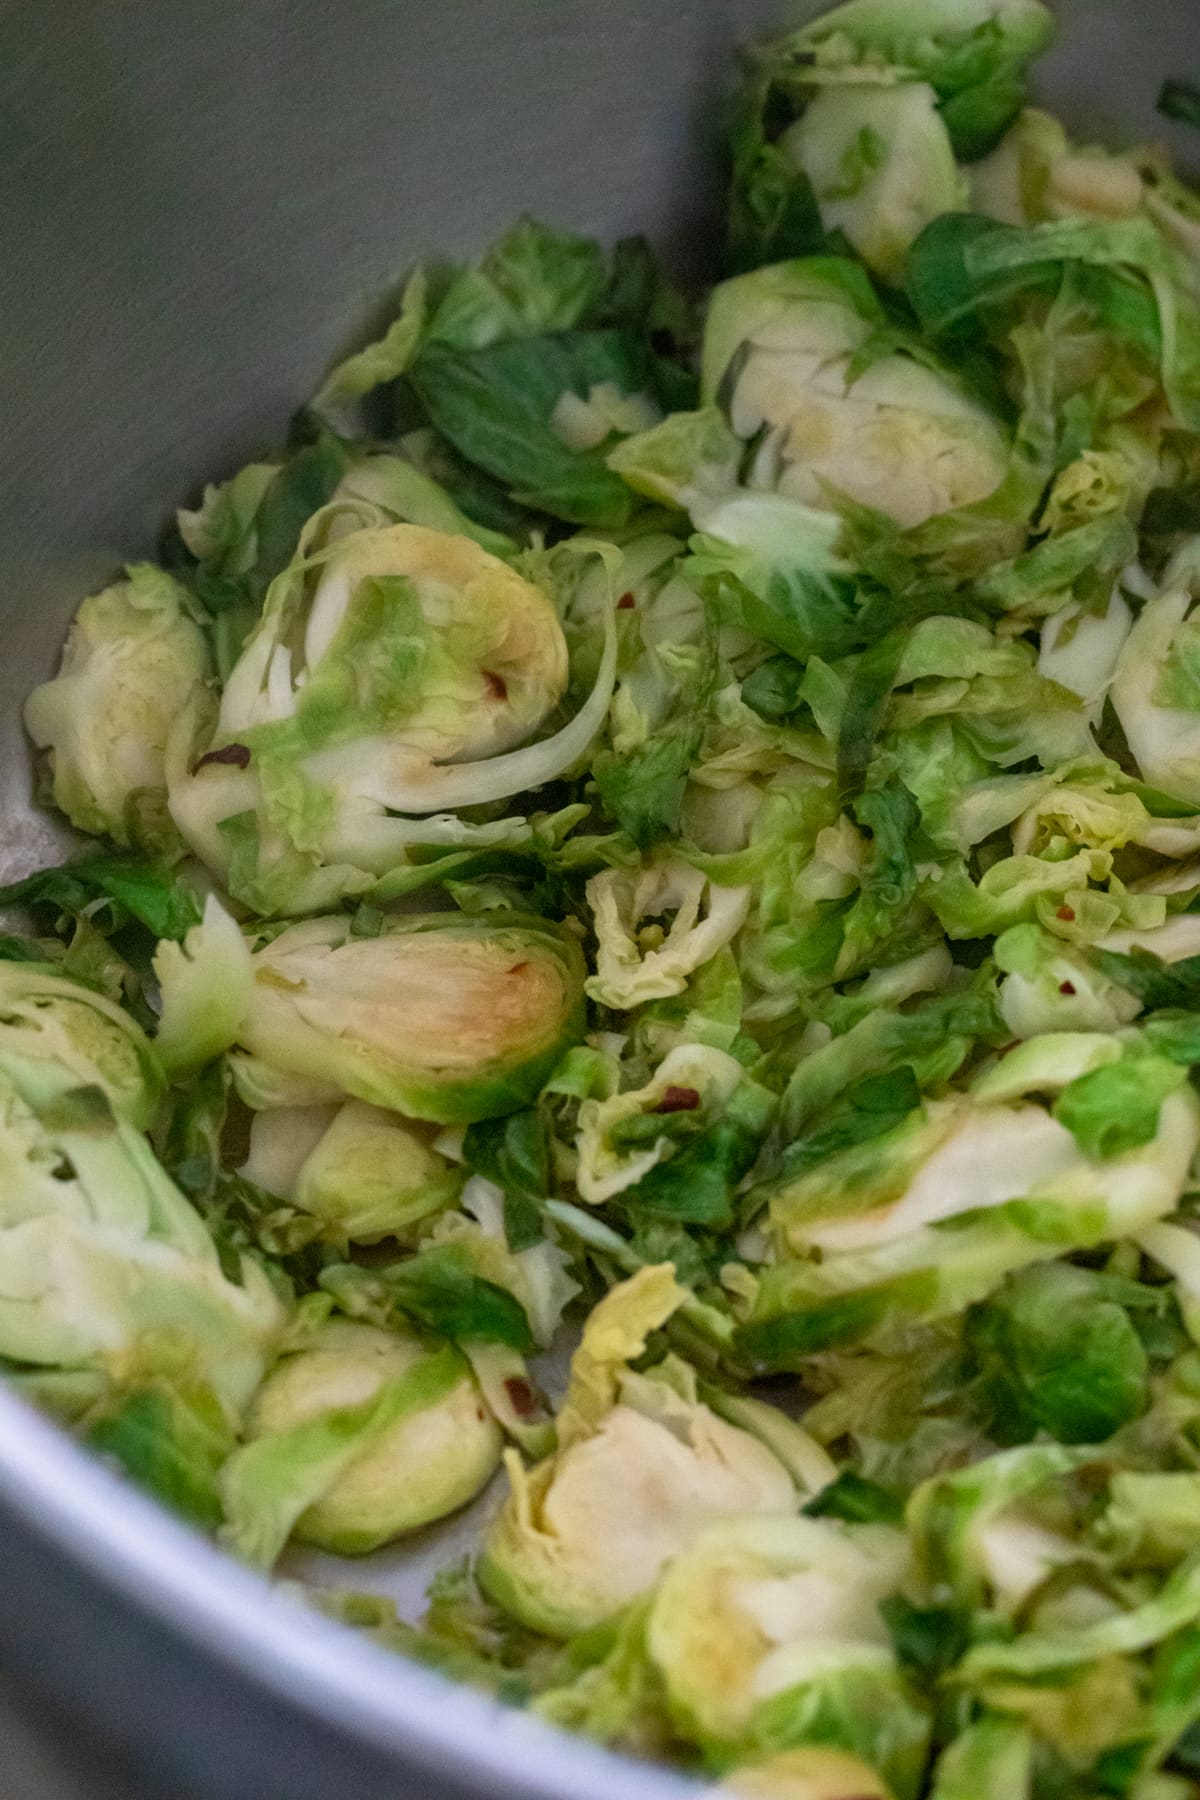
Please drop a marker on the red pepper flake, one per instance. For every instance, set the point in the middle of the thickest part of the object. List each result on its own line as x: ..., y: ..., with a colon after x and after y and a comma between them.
x: 678, y: 1099
x: 518, y: 968
x: 1066, y: 987
x: 238, y: 755
x: 521, y: 1397
x: 624, y: 603
x: 1067, y: 913
x: 497, y: 687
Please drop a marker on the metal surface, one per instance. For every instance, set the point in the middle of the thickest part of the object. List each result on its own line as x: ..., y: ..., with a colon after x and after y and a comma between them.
x: 201, y: 204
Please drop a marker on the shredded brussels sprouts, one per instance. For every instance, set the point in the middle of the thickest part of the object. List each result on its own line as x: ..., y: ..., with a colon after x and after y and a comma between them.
x: 682, y: 860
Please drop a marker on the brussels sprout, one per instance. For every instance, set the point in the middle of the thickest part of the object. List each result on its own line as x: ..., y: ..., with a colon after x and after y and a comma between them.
x: 955, y: 44
x: 1079, y: 650
x: 691, y: 459
x: 264, y: 1088
x: 812, y: 1773
x: 1050, y: 985
x: 642, y: 1464
x: 537, y: 1276
x: 133, y: 661
x: 394, y: 671
x: 974, y: 1531
x: 785, y: 350
x: 767, y: 1634
x: 991, y: 1760
x: 1059, y: 1352
x: 382, y: 360
x: 1156, y: 694
x: 1037, y: 173
x: 441, y: 1017
x: 105, y: 1265
x: 705, y: 918
x: 622, y: 1139
x: 365, y: 1173
x: 223, y: 529
x: 1034, y: 1656
x: 864, y: 1235
x: 56, y: 1035
x: 881, y: 165
x: 355, y: 1439
x: 1153, y: 1517
x: 404, y: 494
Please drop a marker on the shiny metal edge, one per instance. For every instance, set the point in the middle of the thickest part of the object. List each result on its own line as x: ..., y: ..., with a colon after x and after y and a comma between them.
x: 117, y: 1534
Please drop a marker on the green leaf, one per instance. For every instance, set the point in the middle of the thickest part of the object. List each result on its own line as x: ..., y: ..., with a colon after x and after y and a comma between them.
x: 438, y: 1289
x: 300, y: 488
x: 1125, y: 273
x: 1116, y: 1108
x: 191, y: 1149
x: 925, y: 1038
x: 514, y: 1152
x: 1058, y: 1355
x: 1175, y: 1035
x: 872, y: 1107
x: 20, y: 949
x: 382, y: 360
x: 1155, y: 982
x: 532, y: 281
x: 170, y: 1445
x: 978, y: 117
x: 928, y: 1639
x: 643, y: 789
x: 867, y: 696
x: 856, y: 1500
x: 131, y: 885
x: 696, y: 1186
x: 888, y: 883
x: 773, y: 690
x: 496, y: 405
x: 773, y: 211
x: 941, y: 277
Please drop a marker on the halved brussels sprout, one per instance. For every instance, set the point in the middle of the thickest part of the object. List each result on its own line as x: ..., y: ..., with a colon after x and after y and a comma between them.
x: 441, y: 1017
x: 56, y: 1035
x: 642, y: 1465
x: 392, y: 676
x: 812, y: 1773
x: 104, y: 1266
x: 132, y: 663
x: 881, y: 166
x: 355, y: 1439
x: 767, y: 1633
x: 785, y: 353
x: 366, y: 1173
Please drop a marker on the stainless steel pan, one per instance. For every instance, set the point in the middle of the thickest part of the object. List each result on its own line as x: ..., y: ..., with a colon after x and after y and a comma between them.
x: 200, y: 202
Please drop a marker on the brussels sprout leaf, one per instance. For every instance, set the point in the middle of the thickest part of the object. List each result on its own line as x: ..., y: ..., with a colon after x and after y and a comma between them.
x: 514, y: 1153
x: 121, y: 886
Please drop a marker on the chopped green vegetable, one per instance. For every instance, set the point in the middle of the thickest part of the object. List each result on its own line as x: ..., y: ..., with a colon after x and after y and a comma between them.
x: 785, y: 707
